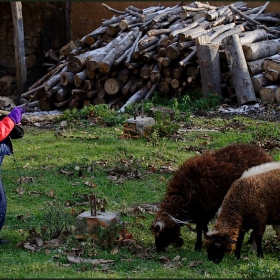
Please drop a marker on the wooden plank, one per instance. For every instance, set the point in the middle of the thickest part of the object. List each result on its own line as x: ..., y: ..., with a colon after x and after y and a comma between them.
x: 19, y: 46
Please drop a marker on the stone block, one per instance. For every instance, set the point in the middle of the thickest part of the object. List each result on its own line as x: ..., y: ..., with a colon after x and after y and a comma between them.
x: 138, y: 127
x: 103, y: 227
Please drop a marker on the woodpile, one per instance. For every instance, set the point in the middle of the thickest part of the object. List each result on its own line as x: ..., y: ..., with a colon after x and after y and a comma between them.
x: 226, y: 50
x: 266, y: 80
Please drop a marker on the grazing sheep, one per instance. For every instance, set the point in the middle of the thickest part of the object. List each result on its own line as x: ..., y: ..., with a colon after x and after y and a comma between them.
x: 197, y: 190
x: 253, y: 201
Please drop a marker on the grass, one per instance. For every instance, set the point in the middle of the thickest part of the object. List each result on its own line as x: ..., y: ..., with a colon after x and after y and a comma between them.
x: 43, y: 154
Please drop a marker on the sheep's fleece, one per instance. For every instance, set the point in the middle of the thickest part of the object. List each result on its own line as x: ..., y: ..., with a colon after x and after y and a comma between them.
x: 252, y: 202
x: 197, y: 189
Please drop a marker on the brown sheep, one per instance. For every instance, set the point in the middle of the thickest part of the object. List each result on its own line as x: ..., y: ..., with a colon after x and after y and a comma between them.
x: 197, y: 190
x: 252, y: 202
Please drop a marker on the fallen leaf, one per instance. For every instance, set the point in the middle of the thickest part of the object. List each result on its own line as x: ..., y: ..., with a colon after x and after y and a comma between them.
x: 52, y: 244
x: 21, y: 231
x: 33, y: 232
x: 93, y: 136
x: 144, y: 208
x: 39, y: 241
x: 50, y: 193
x: 114, y: 251
x: 65, y: 172
x: 176, y: 259
x: 57, y: 256
x: 195, y: 263
x: 26, y: 165
x: 127, y: 242
x: 26, y: 180
x: 167, y: 169
x: 80, y: 237
x: 29, y: 246
x: 78, y: 260
x: 163, y: 179
x: 170, y: 265
x: 43, y: 230
x: 112, y: 178
x: 91, y: 184
x: 127, y: 236
x: 127, y: 260
x: 163, y: 259
x: 102, y: 162
x: 20, y: 191
x: 78, y: 251
x: 47, y: 251
x: 34, y: 193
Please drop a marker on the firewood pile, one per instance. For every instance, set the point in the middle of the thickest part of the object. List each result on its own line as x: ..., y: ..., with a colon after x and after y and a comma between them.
x: 227, y: 50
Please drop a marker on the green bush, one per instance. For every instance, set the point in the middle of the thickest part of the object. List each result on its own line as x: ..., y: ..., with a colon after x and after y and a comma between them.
x: 183, y: 106
x: 100, y: 114
x: 57, y: 218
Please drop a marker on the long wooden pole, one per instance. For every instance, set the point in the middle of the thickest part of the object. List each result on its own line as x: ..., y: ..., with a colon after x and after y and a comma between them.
x: 19, y: 46
x: 209, y: 64
x: 239, y: 71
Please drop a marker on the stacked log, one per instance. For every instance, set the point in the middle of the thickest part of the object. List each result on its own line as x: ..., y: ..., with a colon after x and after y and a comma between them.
x: 163, y: 49
x: 268, y: 81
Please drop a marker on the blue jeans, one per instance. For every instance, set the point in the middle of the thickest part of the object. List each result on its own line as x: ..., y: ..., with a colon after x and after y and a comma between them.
x: 4, y: 150
x: 3, y: 205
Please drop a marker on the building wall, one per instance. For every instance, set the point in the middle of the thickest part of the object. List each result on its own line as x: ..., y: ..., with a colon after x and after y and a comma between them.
x: 87, y: 16
x: 51, y: 25
x: 44, y: 28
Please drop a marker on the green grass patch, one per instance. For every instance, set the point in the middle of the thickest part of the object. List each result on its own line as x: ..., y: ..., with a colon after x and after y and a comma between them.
x: 60, y: 170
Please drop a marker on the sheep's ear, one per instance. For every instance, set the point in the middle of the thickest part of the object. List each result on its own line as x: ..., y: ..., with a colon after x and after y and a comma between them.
x: 227, y: 239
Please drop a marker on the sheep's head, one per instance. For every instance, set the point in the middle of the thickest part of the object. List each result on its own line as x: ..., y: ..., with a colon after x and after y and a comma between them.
x: 217, y: 246
x: 166, y: 234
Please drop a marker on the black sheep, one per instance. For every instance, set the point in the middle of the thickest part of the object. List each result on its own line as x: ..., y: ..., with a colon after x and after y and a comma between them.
x: 197, y: 190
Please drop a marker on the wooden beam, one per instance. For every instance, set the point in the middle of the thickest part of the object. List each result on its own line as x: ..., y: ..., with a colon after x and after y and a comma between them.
x: 19, y: 46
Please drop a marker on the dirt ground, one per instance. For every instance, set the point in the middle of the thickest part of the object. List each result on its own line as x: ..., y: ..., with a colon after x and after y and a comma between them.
x: 258, y: 111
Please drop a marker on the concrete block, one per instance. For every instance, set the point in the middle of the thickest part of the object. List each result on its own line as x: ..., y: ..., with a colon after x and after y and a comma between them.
x: 103, y: 227
x: 138, y: 127
x: 166, y: 112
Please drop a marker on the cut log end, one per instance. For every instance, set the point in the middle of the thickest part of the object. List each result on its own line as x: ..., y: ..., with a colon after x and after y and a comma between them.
x: 113, y: 85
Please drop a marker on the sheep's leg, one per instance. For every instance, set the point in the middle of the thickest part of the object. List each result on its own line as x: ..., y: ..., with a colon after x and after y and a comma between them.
x: 239, y: 244
x: 258, y: 239
x: 205, y: 229
x: 198, y: 243
x: 199, y: 229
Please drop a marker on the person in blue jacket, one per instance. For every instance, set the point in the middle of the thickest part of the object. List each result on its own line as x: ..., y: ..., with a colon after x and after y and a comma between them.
x: 6, y: 126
